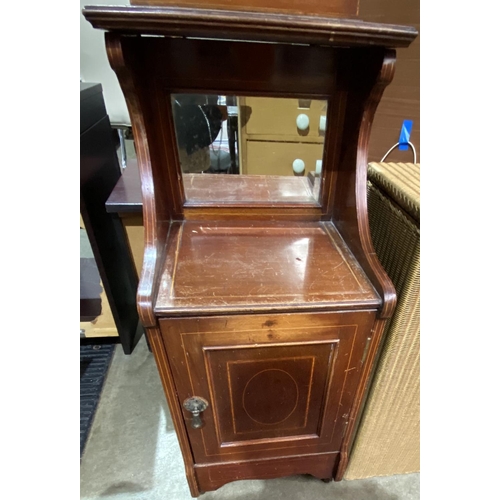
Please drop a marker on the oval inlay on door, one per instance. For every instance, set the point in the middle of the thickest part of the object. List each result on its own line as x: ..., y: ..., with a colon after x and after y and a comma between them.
x: 280, y: 400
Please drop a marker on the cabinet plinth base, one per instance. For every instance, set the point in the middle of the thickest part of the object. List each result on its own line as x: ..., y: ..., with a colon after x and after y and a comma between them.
x: 213, y: 476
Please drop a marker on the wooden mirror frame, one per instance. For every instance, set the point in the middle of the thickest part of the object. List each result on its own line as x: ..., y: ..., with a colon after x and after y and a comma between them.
x: 348, y: 62
x: 157, y: 51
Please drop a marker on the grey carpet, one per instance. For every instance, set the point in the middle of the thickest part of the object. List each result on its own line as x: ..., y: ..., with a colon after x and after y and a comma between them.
x: 94, y: 364
x: 132, y: 452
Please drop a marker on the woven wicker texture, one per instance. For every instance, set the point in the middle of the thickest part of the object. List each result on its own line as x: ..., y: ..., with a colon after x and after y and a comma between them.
x: 401, y: 182
x: 388, y: 439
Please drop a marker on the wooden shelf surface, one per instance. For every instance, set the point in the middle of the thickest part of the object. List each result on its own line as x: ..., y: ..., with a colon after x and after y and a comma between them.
x: 213, y: 267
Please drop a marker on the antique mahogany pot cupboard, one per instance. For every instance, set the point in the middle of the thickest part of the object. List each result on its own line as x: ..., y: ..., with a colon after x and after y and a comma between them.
x: 262, y: 297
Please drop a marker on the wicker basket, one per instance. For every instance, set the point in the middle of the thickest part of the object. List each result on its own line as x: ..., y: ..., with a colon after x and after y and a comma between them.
x: 388, y: 439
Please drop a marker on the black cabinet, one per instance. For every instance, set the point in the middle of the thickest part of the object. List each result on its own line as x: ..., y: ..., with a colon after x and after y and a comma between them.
x: 99, y: 172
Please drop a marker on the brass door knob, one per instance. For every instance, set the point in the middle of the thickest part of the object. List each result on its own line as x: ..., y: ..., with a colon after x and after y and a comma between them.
x: 196, y: 405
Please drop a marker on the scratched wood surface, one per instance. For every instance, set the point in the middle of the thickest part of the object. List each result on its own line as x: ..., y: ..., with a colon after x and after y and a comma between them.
x: 213, y: 476
x: 248, y: 25
x: 277, y: 385
x: 212, y: 189
x: 339, y: 8
x: 234, y: 267
x: 212, y: 273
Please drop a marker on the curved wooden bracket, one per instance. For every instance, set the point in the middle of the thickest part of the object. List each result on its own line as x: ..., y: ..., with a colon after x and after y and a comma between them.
x: 386, y: 287
x: 351, y: 210
x: 155, y: 232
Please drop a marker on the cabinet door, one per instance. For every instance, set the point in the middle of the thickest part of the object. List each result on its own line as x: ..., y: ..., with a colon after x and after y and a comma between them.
x: 276, y: 385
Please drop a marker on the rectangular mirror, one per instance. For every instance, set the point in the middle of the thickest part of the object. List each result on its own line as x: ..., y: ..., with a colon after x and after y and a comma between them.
x: 249, y: 150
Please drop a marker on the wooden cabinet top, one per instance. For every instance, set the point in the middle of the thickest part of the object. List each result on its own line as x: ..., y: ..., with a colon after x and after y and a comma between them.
x: 247, y: 26
x: 340, y: 8
x: 217, y: 267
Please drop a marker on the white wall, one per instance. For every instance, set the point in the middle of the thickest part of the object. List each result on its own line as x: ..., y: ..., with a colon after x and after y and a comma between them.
x: 94, y: 65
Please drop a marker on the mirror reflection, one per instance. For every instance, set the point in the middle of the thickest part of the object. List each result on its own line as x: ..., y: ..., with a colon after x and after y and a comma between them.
x: 236, y: 149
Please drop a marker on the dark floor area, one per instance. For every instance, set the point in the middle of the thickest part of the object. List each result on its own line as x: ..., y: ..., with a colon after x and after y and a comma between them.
x: 94, y: 363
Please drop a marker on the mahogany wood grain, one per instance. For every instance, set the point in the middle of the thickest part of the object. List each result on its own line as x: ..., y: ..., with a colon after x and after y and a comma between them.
x: 240, y: 266
x: 361, y: 393
x: 213, y: 476
x: 248, y: 26
x: 157, y: 210
x: 338, y: 8
x: 350, y: 211
x: 277, y: 385
x: 174, y: 68
x: 258, y: 298
x: 154, y: 337
x: 214, y: 190
x: 274, y: 213
x: 126, y: 198
x: 178, y: 63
